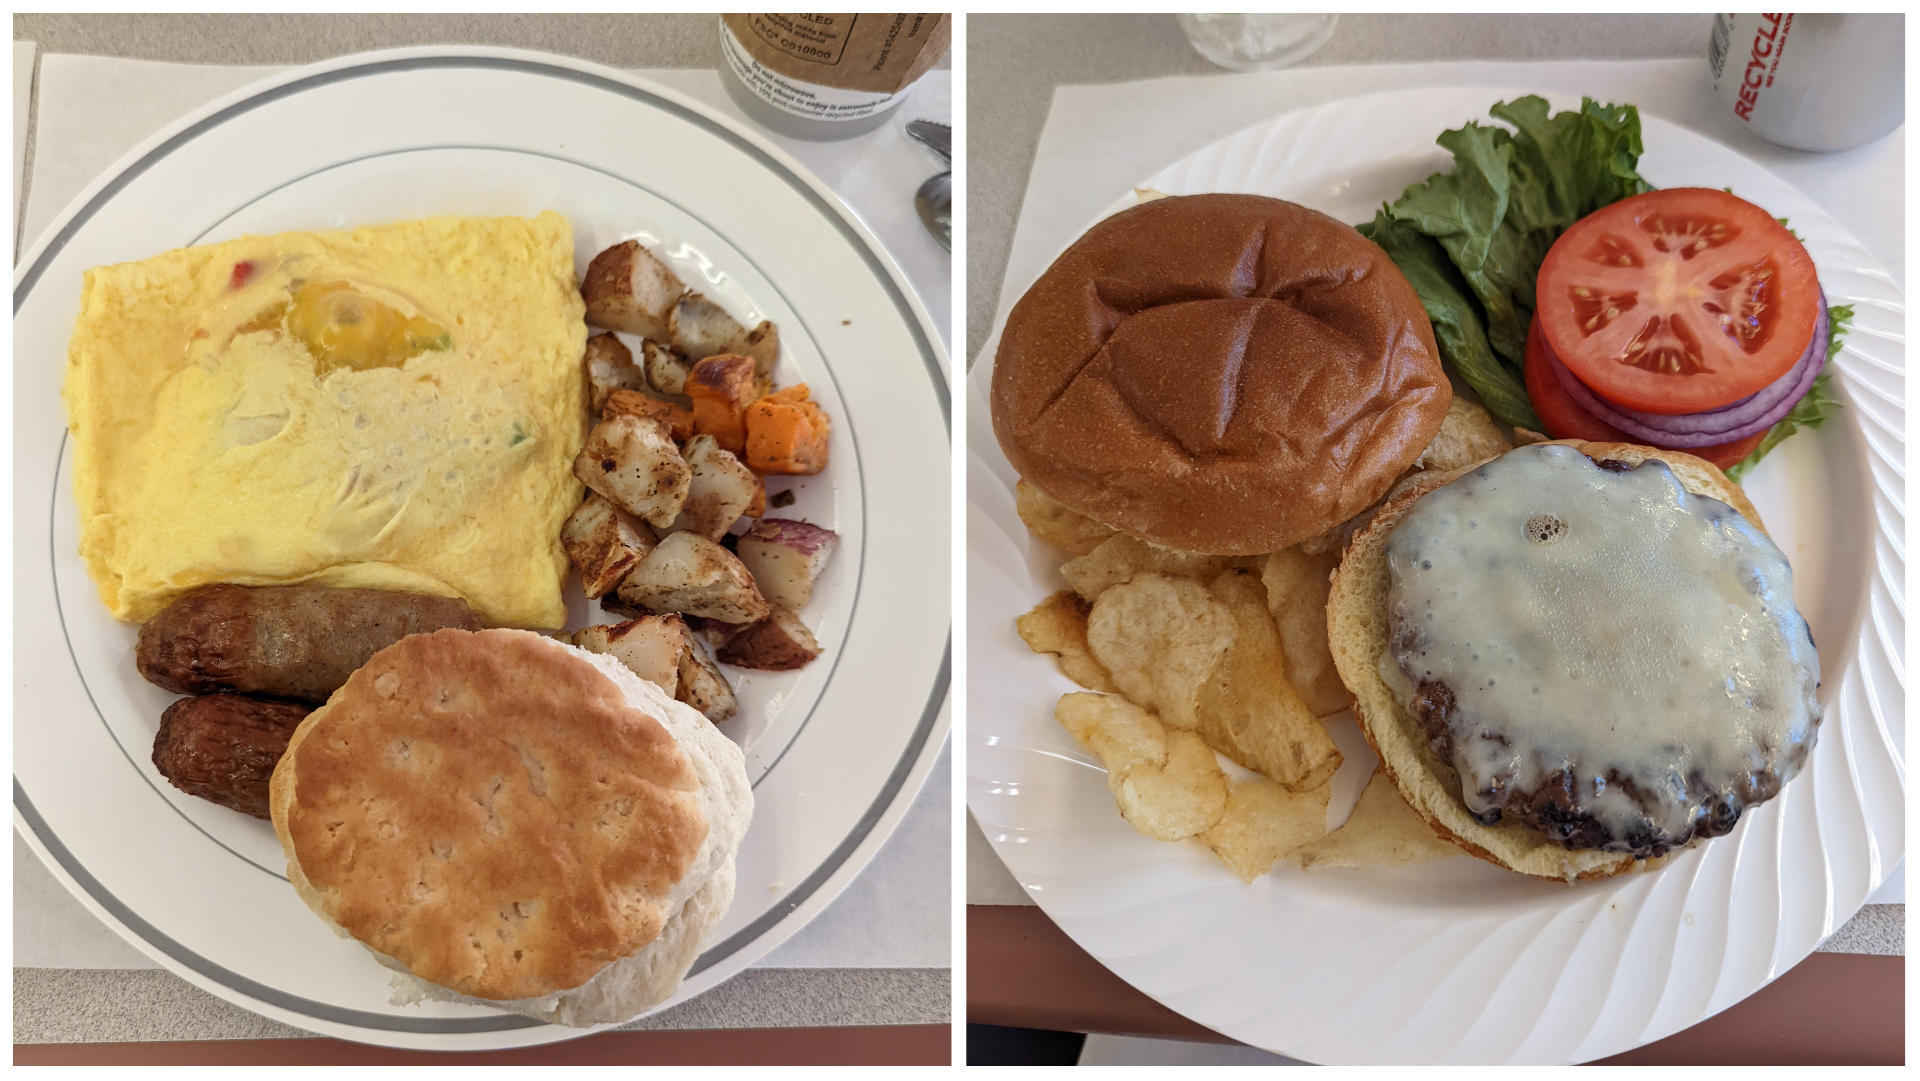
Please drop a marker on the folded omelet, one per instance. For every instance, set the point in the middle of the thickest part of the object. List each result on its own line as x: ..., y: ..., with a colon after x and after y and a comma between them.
x: 395, y: 407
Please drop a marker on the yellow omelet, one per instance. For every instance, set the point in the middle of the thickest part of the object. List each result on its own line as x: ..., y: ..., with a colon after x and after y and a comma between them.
x: 395, y: 407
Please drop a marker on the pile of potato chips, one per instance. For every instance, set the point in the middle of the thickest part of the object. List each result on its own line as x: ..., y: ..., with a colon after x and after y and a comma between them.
x: 1195, y: 654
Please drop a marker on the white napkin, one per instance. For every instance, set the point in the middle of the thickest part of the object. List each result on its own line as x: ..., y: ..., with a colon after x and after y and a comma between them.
x: 94, y: 110
x: 1099, y: 141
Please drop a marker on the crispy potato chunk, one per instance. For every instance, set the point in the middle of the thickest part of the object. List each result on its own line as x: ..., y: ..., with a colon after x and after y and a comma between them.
x: 778, y: 643
x: 610, y: 367
x: 703, y: 686
x: 1382, y: 831
x: 1058, y: 626
x: 1160, y: 638
x: 786, y: 558
x: 666, y: 370
x: 1120, y: 557
x: 1297, y: 585
x: 603, y: 543
x: 762, y: 343
x: 650, y: 647
x: 1051, y: 521
x: 688, y: 573
x: 721, y: 491
x: 628, y: 289
x: 1247, y: 709
x: 1263, y: 822
x: 700, y: 328
x: 647, y: 407
x: 1468, y: 434
x: 1165, y: 780
x: 634, y: 462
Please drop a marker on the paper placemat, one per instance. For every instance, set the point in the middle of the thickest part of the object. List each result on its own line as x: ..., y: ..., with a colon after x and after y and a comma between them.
x: 93, y: 110
x: 1101, y: 140
x: 22, y: 108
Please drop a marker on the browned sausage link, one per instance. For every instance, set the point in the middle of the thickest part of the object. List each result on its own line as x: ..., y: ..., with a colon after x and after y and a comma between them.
x: 299, y: 642
x: 223, y: 747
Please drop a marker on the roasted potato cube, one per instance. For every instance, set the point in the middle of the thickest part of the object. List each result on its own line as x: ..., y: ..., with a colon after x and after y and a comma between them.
x: 604, y: 542
x: 651, y: 647
x: 713, y: 632
x: 688, y: 573
x: 762, y: 343
x: 700, y: 328
x: 721, y: 492
x: 786, y: 558
x: 721, y: 388
x: 610, y: 367
x: 702, y: 685
x: 775, y: 644
x: 628, y: 289
x: 634, y: 463
x: 666, y: 369
x: 786, y: 433
x: 647, y: 407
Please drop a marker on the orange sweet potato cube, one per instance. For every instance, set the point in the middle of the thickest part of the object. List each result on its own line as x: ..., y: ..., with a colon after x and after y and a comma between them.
x: 787, y: 433
x: 721, y: 388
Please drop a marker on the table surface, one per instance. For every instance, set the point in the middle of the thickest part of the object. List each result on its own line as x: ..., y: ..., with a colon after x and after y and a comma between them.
x: 104, y: 1005
x: 1014, y: 65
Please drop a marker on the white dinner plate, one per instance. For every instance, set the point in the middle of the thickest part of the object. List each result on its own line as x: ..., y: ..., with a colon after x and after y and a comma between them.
x: 1458, y: 961
x: 836, y: 751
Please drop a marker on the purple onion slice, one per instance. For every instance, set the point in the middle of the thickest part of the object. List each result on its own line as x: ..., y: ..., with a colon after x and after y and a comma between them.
x: 1725, y: 424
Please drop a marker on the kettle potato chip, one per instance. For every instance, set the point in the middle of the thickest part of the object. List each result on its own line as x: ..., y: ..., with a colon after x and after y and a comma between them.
x: 1120, y: 557
x: 1247, y: 709
x: 1160, y: 637
x: 1058, y: 626
x: 1166, y: 780
x: 1263, y: 822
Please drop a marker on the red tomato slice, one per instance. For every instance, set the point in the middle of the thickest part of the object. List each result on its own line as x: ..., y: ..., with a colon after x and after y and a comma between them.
x: 1566, y: 418
x: 1678, y: 301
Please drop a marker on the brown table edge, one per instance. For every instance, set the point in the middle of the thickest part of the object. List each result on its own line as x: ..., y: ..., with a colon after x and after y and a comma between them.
x: 1831, y: 1009
x: 849, y: 1045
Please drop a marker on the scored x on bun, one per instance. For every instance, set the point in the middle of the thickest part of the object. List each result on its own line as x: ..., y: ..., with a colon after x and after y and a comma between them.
x: 514, y: 822
x: 1228, y: 374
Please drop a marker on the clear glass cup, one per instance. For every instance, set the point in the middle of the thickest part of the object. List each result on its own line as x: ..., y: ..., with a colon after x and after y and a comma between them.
x: 1257, y: 42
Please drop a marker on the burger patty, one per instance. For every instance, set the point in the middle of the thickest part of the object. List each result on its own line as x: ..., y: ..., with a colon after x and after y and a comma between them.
x: 1593, y: 651
x: 1553, y: 806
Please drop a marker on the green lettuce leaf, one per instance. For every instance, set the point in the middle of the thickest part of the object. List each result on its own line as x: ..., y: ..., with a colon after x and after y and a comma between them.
x: 1509, y: 197
x: 1811, y: 411
x: 1457, y: 327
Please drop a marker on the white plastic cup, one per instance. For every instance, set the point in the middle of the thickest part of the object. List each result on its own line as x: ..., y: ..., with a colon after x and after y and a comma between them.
x: 1811, y: 82
x: 1265, y: 42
